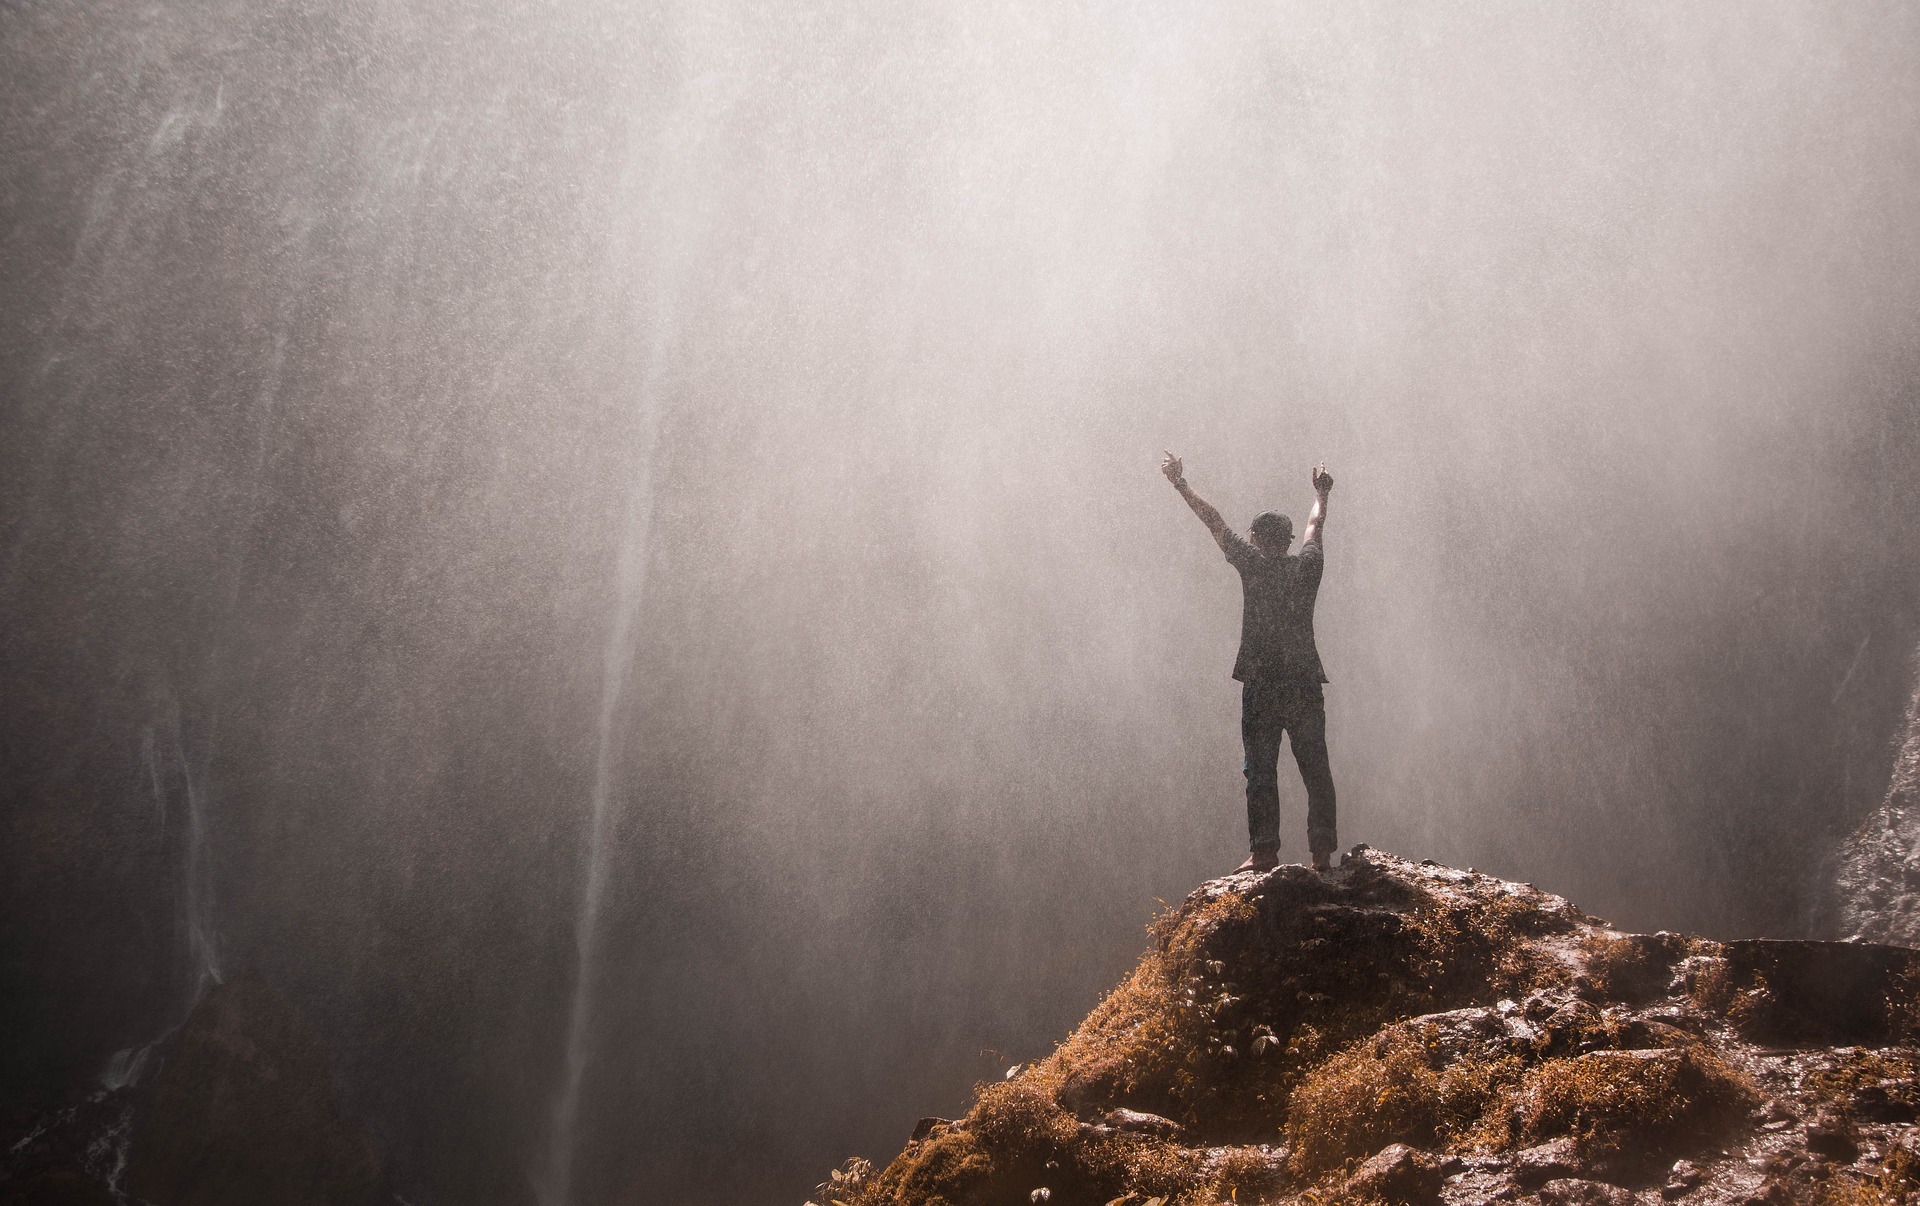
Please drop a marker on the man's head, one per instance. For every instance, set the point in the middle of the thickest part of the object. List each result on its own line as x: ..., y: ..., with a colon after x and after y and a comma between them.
x: 1272, y: 532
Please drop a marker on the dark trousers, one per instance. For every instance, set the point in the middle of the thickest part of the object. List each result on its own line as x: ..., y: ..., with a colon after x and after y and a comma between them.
x: 1267, y: 710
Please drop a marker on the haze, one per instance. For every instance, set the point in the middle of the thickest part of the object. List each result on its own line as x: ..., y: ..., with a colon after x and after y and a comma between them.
x: 449, y: 450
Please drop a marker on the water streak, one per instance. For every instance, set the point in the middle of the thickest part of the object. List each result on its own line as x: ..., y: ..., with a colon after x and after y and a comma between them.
x: 677, y: 240
x: 167, y: 764
x: 617, y: 659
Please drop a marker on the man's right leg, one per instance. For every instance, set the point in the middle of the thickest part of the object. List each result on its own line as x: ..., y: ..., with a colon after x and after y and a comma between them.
x: 1308, y: 724
x: 1262, y: 720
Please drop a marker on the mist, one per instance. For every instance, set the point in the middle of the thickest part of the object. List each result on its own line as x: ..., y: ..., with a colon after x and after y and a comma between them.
x: 615, y: 553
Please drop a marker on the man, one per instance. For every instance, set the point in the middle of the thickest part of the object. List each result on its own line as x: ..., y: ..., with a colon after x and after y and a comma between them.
x: 1279, y: 667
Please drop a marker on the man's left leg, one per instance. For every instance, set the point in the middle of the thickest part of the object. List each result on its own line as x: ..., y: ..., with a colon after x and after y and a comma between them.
x: 1263, y: 718
x: 1309, y: 733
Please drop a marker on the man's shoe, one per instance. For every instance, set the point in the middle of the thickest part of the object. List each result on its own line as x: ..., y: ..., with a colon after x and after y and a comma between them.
x: 1259, y: 860
x: 1323, y: 862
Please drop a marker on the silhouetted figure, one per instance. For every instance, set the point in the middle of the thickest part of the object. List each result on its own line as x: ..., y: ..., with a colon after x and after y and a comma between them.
x: 1279, y: 667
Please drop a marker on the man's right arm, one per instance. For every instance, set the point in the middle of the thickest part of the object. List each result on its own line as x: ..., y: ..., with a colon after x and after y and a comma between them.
x: 1176, y: 474
x: 1317, y: 521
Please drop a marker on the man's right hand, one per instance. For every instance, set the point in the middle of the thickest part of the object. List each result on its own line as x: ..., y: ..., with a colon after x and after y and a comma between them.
x: 1175, y: 471
x: 1322, y: 480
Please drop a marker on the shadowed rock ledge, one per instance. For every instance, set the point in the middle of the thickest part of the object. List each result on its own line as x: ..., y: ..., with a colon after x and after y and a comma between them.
x: 1402, y: 1032
x: 235, y: 1108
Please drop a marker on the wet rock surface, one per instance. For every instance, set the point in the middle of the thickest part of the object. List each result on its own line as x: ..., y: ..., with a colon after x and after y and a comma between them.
x: 1399, y: 1174
x: 234, y: 1107
x: 1407, y: 1032
x: 1876, y: 893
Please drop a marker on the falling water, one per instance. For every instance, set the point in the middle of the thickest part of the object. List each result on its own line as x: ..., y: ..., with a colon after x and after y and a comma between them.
x: 164, y: 752
x: 671, y: 176
x: 617, y: 659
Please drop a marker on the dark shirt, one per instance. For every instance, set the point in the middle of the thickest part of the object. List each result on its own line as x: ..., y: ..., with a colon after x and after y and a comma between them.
x: 1276, y: 617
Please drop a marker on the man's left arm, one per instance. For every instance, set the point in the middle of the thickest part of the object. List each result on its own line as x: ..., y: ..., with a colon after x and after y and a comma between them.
x: 1322, y: 486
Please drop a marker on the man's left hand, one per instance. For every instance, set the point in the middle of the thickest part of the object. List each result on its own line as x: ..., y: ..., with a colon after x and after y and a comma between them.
x: 1322, y: 480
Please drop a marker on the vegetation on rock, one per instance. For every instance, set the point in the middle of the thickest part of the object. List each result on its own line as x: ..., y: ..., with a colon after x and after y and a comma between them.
x: 1415, y: 1032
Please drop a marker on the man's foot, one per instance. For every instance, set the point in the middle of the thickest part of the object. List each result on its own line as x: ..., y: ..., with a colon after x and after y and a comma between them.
x: 1322, y: 862
x: 1259, y: 860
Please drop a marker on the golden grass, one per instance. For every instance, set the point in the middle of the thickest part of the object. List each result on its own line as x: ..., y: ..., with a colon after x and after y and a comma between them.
x: 1388, y: 1090
x: 1619, y: 1106
x: 1018, y: 1139
x: 1631, y: 968
x: 1711, y: 987
x: 1903, y: 1007
x: 1625, y: 1107
x: 1896, y: 1070
x: 1898, y: 1184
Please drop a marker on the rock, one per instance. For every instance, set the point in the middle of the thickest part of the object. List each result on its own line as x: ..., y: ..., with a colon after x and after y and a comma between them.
x: 55, y: 1187
x: 1550, y: 1161
x: 1876, y: 871
x: 1423, y: 1038
x: 1805, y: 993
x: 1484, y: 1032
x: 924, y: 1127
x: 1880, y: 1103
x: 1682, y: 1180
x: 242, y: 1113
x: 1400, y: 1175
x: 1830, y: 1138
x: 1142, y: 1124
x: 1572, y: 1191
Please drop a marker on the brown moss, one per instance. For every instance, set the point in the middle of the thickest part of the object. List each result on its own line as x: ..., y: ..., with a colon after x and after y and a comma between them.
x: 998, y: 1152
x: 843, y: 1185
x: 1018, y: 1139
x: 1710, y: 985
x: 945, y: 1169
x: 1754, y: 1011
x: 1893, y: 1074
x: 1631, y: 967
x: 1180, y: 1037
x: 1480, y: 945
x: 1385, y: 1090
x: 1897, y: 1184
x: 1626, y: 1108
x: 1523, y: 969
x: 1903, y: 1007
x: 1378, y: 1092
x: 1138, y: 1043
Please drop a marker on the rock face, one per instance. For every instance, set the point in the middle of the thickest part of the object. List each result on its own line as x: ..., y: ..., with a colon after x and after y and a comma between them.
x: 234, y: 1107
x: 1877, y: 869
x: 242, y: 1112
x: 1401, y: 1032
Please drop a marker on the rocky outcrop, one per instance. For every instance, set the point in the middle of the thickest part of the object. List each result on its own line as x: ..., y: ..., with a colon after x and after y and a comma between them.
x: 242, y: 1111
x: 1877, y: 870
x: 1402, y: 1032
x: 235, y: 1108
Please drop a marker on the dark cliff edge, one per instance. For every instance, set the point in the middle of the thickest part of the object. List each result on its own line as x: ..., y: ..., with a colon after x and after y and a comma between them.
x: 234, y: 1108
x: 1407, y: 1032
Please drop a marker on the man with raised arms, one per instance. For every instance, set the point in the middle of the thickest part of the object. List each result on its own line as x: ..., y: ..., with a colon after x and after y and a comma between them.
x: 1278, y: 667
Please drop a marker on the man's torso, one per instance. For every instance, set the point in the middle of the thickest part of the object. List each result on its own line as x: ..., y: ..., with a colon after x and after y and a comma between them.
x: 1276, y: 619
